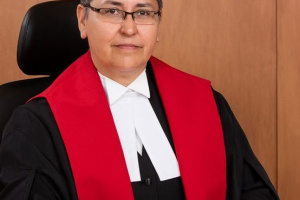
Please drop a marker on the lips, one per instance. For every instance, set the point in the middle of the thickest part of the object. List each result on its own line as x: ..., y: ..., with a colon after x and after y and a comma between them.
x: 127, y: 46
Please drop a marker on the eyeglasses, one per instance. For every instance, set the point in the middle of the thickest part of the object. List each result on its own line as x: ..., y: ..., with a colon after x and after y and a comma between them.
x: 116, y: 16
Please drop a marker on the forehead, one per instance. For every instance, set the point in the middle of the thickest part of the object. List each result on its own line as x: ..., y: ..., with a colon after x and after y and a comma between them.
x: 129, y: 3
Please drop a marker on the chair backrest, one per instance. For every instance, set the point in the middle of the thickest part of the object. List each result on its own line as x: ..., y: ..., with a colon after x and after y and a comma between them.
x: 49, y: 42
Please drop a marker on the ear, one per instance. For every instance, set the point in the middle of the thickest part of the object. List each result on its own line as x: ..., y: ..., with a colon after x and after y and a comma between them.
x: 81, y: 18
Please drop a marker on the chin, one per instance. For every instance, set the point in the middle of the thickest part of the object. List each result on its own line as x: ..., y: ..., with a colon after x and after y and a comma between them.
x: 130, y: 63
x: 130, y: 68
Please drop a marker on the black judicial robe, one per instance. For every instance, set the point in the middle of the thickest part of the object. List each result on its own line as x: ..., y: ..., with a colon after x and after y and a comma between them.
x: 34, y: 163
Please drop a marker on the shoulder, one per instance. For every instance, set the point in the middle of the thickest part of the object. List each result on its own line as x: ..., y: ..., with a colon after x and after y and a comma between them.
x: 223, y: 106
x: 235, y: 139
x: 30, y: 132
x: 31, y: 143
x: 32, y: 128
x: 31, y: 119
x: 169, y: 72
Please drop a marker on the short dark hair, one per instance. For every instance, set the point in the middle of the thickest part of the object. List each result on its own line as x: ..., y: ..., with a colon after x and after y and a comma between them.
x: 86, y: 2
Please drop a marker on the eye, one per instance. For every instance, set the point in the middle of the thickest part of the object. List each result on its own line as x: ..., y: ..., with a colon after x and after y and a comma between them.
x: 112, y: 11
x: 143, y: 13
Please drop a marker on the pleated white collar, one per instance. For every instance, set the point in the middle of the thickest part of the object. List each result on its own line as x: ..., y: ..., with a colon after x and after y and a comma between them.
x: 138, y: 126
x: 115, y: 90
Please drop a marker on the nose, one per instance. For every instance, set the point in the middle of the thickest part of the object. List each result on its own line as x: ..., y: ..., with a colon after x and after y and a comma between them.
x: 128, y: 26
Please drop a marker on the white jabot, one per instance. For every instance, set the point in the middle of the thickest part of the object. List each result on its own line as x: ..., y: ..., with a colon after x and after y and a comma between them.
x: 138, y: 126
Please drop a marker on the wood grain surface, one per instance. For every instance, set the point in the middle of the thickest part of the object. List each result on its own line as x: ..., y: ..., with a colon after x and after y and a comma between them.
x: 289, y: 99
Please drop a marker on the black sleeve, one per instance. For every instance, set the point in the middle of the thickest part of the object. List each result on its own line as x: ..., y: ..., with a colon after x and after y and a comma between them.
x: 30, y: 164
x: 246, y: 178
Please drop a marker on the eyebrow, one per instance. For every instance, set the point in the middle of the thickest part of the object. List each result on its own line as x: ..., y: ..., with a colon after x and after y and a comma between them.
x: 143, y: 5
x: 139, y: 5
x: 115, y: 3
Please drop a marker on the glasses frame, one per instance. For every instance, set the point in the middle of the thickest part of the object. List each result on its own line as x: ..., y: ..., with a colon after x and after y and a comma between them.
x: 125, y: 13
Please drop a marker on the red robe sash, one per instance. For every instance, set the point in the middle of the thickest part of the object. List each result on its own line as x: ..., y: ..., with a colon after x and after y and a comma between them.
x: 81, y: 110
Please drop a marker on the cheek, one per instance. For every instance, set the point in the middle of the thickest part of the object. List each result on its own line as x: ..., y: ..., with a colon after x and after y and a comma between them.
x: 149, y: 38
x: 101, y: 37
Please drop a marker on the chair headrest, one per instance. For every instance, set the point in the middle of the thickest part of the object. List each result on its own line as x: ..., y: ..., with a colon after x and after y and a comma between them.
x: 49, y: 39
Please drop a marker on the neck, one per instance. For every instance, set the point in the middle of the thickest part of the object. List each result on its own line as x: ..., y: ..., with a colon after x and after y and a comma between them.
x: 124, y: 78
x: 123, y: 72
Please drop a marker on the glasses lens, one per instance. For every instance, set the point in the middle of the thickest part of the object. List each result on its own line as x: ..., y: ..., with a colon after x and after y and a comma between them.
x: 111, y: 15
x: 145, y: 17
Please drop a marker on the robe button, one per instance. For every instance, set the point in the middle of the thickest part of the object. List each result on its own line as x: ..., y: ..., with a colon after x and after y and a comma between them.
x: 148, y: 181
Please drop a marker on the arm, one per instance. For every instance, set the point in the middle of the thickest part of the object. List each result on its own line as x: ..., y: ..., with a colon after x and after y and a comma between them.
x: 31, y: 167
x: 246, y: 178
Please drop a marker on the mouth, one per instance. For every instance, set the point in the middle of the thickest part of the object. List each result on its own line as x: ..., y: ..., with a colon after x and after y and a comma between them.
x: 127, y: 46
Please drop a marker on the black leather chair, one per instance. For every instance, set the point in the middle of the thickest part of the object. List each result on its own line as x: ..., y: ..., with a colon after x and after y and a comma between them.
x: 49, y: 41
